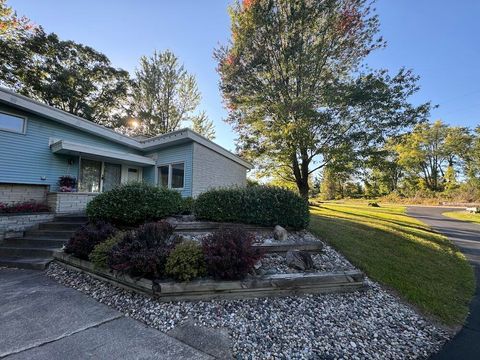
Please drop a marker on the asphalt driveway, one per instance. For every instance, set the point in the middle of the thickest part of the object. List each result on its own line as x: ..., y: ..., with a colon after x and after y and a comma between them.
x: 40, y: 319
x: 466, y: 344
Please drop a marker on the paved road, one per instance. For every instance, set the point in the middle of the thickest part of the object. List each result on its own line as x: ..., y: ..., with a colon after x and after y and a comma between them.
x: 466, y: 344
x: 40, y: 319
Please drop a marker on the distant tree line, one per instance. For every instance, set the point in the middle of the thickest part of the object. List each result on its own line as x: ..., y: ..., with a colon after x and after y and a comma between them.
x: 161, y: 97
x: 432, y: 160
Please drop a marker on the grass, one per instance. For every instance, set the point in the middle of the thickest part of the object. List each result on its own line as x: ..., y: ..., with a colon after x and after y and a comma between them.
x: 423, y: 267
x: 463, y: 215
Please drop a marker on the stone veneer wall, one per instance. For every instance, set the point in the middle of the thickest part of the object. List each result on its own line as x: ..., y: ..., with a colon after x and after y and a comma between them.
x: 69, y: 203
x: 12, y: 225
x: 15, y: 193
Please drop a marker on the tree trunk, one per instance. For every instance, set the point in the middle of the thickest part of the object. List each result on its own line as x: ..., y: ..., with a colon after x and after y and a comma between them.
x: 303, y: 188
x: 300, y: 172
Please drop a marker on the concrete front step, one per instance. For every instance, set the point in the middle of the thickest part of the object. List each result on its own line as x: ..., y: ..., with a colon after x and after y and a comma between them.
x: 25, y: 263
x: 50, y: 234
x: 78, y: 219
x: 59, y: 225
x: 35, y: 242
x: 26, y: 252
x: 35, y: 250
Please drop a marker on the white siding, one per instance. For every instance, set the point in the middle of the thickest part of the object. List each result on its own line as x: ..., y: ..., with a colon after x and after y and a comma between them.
x: 212, y: 170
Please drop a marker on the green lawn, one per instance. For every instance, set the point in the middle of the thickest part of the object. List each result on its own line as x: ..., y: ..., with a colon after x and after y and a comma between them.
x: 463, y: 215
x: 425, y: 268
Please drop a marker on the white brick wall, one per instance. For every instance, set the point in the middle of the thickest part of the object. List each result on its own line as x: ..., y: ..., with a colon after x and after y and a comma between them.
x: 69, y: 203
x: 14, y: 225
x: 15, y: 193
x: 212, y: 170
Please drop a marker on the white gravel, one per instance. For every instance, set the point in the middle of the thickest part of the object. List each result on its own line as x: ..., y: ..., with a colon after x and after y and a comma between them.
x: 371, y: 324
x: 327, y: 260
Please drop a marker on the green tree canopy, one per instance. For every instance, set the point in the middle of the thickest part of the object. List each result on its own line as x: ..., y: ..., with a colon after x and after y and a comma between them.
x: 432, y: 148
x: 164, y: 94
x: 293, y: 81
x: 203, y: 125
x: 64, y: 74
x: 12, y: 25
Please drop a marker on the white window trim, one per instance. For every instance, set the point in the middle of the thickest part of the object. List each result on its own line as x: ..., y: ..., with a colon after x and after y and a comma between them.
x: 169, y: 186
x: 24, y: 128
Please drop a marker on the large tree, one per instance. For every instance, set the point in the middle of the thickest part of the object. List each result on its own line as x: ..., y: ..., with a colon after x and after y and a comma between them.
x: 11, y: 25
x: 64, y: 74
x: 293, y: 80
x: 203, y: 125
x: 164, y: 94
x: 433, y: 150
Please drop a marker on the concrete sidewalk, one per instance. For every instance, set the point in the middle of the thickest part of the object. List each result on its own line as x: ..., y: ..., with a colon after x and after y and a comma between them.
x: 40, y: 319
x: 466, y: 344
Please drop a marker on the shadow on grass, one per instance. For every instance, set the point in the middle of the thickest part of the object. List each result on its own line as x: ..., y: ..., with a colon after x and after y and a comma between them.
x: 435, y: 278
x: 398, y: 227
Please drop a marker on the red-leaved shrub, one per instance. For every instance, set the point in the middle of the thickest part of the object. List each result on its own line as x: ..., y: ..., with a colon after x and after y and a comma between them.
x: 229, y: 253
x: 25, y: 207
x: 83, y: 241
x: 143, y: 252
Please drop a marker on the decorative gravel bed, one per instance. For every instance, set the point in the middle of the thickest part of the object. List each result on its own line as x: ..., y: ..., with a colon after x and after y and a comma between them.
x: 368, y: 324
x: 327, y: 260
x: 293, y: 237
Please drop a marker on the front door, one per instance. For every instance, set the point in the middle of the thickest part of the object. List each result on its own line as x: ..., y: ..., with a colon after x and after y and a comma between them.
x: 112, y: 175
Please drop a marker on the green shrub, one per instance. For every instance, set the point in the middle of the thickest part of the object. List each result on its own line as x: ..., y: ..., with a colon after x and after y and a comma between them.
x: 186, y: 261
x: 187, y: 205
x: 261, y: 205
x: 134, y: 204
x: 99, y: 255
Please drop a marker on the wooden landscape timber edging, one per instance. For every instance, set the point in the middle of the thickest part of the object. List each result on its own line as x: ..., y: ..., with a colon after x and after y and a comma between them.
x: 208, y: 226
x: 267, y: 285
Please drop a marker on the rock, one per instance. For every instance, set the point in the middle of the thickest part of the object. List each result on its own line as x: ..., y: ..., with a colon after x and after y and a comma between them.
x: 279, y: 233
x: 300, y: 260
x: 258, y: 265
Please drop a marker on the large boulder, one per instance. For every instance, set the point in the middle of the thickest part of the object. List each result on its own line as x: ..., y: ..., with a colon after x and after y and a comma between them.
x: 279, y: 233
x: 300, y: 260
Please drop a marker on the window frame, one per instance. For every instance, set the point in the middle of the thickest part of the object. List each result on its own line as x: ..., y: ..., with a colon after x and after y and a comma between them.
x: 170, y: 173
x: 24, y: 127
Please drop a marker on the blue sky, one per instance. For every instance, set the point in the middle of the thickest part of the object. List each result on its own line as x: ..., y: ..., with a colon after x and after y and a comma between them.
x: 439, y: 39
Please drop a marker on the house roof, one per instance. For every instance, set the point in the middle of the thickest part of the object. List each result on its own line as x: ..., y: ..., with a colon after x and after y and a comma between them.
x: 150, y: 144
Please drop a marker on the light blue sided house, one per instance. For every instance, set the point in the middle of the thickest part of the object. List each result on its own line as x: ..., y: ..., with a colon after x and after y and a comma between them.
x: 39, y: 143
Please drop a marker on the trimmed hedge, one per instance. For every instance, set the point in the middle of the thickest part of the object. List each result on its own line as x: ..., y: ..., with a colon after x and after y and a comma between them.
x: 260, y: 205
x: 134, y: 204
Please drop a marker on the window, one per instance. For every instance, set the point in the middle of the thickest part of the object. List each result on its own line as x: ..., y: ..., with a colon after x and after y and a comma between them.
x: 178, y: 175
x: 163, y: 175
x: 12, y: 123
x: 90, y: 175
x: 172, y: 176
x: 132, y: 175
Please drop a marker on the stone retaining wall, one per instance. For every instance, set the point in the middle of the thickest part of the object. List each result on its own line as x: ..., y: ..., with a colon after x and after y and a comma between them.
x: 69, y: 203
x: 12, y: 225
x: 16, y: 193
